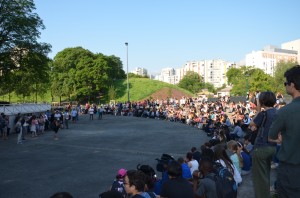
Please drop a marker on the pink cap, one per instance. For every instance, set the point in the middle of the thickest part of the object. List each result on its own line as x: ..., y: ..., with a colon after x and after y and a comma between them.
x: 122, y: 172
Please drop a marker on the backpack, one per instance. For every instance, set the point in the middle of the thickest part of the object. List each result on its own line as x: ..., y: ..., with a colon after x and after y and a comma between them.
x: 119, y: 186
x: 148, y: 170
x: 164, y: 159
x: 225, y: 184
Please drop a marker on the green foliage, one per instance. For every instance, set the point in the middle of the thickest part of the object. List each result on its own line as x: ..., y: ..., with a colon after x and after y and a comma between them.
x: 234, y: 75
x: 132, y: 75
x: 256, y: 79
x: 24, y: 64
x: 192, y: 82
x: 79, y: 74
x: 111, y: 93
x: 20, y: 29
x: 279, y: 78
x: 210, y: 87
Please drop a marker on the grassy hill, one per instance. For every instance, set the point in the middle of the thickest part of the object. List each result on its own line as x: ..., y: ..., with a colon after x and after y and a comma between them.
x: 144, y: 88
x: 140, y: 88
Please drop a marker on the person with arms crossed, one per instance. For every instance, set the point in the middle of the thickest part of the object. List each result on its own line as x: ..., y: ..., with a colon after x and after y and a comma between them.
x: 286, y: 124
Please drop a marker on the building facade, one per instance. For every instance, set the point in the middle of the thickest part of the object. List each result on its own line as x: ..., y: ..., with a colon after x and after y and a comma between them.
x: 269, y: 57
x: 293, y: 45
x: 167, y: 75
x: 212, y: 71
x: 140, y: 71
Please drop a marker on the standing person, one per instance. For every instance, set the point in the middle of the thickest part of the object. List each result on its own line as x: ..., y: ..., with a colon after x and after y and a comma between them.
x: 18, y: 129
x: 33, y: 126
x: 66, y: 118
x: 91, y: 112
x: 7, y: 124
x: 56, y: 126
x: 3, y: 126
x: 18, y: 116
x: 100, y: 111
x: 41, y: 122
x: 263, y: 149
x: 74, y: 115
x: 287, y: 123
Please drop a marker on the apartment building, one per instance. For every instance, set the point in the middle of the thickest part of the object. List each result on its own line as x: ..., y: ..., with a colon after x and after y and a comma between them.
x: 140, y: 71
x: 268, y: 58
x: 167, y: 75
x: 212, y: 71
x: 293, y: 45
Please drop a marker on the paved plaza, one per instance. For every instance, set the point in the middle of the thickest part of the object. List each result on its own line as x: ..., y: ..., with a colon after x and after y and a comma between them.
x: 85, y: 159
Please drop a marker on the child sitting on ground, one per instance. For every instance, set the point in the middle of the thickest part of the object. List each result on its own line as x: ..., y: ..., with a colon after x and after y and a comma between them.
x: 118, y: 183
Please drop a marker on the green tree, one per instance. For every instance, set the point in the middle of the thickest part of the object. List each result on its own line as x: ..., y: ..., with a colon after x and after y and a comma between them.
x: 192, y: 82
x: 210, y: 87
x: 259, y: 80
x: 234, y: 75
x: 279, y: 78
x: 33, y: 76
x: 19, y: 30
x: 83, y: 75
x: 250, y: 79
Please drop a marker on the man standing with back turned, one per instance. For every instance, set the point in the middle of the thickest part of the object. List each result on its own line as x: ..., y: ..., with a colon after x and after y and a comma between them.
x: 287, y: 122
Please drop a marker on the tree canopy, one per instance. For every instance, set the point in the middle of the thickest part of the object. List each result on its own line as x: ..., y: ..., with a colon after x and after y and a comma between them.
x: 192, y: 82
x: 22, y: 57
x: 250, y: 79
x: 80, y: 74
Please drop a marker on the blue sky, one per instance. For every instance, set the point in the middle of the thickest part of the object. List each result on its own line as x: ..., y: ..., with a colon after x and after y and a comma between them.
x: 168, y: 33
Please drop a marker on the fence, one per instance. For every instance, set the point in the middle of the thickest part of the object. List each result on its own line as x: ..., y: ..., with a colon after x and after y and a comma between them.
x: 13, y: 109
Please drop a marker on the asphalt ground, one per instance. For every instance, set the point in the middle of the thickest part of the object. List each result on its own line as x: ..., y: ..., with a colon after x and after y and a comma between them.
x: 86, y: 157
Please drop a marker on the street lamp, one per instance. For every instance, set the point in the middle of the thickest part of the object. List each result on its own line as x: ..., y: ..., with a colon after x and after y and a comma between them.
x: 247, y: 86
x: 128, y: 99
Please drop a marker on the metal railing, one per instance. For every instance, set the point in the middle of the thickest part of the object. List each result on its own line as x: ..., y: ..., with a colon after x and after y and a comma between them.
x: 13, y: 109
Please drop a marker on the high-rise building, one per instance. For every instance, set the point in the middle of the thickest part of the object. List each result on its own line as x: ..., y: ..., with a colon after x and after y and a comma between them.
x: 140, y: 71
x: 268, y: 58
x: 212, y: 71
x: 167, y: 75
x: 293, y: 45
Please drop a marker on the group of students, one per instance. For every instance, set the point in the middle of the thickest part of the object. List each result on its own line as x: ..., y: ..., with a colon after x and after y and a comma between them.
x: 191, y: 177
x: 37, y: 123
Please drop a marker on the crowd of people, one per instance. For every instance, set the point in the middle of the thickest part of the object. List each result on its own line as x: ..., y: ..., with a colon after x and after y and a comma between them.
x: 256, y: 133
x: 245, y: 136
x: 35, y: 124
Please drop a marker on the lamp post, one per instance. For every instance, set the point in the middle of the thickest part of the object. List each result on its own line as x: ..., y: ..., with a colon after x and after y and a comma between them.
x: 247, y: 86
x: 128, y: 99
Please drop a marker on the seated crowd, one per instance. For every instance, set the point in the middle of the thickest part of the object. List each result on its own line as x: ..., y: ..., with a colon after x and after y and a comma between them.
x: 190, y: 176
x: 193, y: 175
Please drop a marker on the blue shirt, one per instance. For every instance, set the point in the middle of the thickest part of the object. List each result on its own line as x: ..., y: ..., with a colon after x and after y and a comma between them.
x: 186, y: 173
x: 247, y: 163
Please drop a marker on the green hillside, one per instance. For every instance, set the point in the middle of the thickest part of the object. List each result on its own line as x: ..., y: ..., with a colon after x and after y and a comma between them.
x: 140, y: 88
x: 143, y: 88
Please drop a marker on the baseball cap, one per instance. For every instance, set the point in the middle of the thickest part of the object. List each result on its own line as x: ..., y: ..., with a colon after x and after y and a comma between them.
x: 122, y: 172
